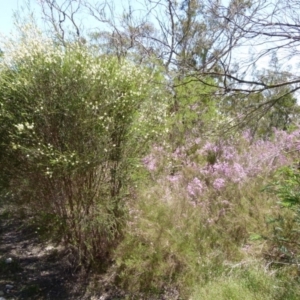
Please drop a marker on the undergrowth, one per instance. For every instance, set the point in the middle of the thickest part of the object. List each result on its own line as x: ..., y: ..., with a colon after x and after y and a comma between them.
x: 208, y: 242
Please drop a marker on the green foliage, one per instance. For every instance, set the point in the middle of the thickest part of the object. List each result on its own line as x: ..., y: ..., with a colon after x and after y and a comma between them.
x: 287, y: 187
x: 192, y: 237
x: 170, y: 242
x: 283, y: 241
x: 74, y: 125
x: 246, y: 283
x: 193, y: 110
x: 264, y: 111
x: 160, y: 252
x: 200, y: 251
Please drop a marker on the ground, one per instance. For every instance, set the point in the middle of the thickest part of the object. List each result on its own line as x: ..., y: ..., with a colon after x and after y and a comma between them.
x: 33, y: 268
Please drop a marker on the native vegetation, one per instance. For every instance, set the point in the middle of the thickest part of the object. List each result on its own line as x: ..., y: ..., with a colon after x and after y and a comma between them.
x: 149, y: 150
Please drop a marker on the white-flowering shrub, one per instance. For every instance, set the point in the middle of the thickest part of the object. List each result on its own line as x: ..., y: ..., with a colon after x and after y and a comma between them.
x: 74, y: 123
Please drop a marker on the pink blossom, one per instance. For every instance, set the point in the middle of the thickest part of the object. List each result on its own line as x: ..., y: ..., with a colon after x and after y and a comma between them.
x: 237, y: 160
x: 219, y: 183
x: 174, y: 178
x: 195, y: 187
x: 150, y: 162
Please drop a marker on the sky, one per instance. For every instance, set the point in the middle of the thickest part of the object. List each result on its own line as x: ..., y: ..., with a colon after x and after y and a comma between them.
x: 7, y: 8
x: 6, y: 11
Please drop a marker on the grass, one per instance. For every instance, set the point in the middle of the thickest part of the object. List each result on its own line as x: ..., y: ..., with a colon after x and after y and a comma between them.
x: 219, y: 244
x: 247, y: 283
x: 171, y: 242
x: 217, y: 249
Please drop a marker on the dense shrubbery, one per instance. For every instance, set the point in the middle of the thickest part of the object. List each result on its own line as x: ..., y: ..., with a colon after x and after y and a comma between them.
x: 188, y: 212
x: 74, y: 126
x: 210, y: 215
x: 202, y: 165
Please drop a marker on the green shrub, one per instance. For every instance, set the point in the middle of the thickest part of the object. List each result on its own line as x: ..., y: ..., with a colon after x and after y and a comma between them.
x: 172, y: 244
x: 190, y: 242
x: 284, y: 246
x: 75, y: 127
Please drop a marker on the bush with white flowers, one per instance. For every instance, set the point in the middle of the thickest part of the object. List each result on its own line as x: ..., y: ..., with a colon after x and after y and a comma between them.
x: 72, y: 124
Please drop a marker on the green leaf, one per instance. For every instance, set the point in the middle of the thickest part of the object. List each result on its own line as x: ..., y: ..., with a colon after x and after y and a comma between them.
x: 255, y: 237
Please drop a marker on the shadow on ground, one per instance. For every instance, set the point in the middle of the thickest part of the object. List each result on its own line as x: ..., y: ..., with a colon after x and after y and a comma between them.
x: 32, y: 269
x: 39, y: 270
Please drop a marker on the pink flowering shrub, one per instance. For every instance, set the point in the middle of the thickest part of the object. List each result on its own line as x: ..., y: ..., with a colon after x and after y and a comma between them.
x: 195, y: 187
x: 219, y: 183
x: 210, y: 166
x: 150, y: 162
